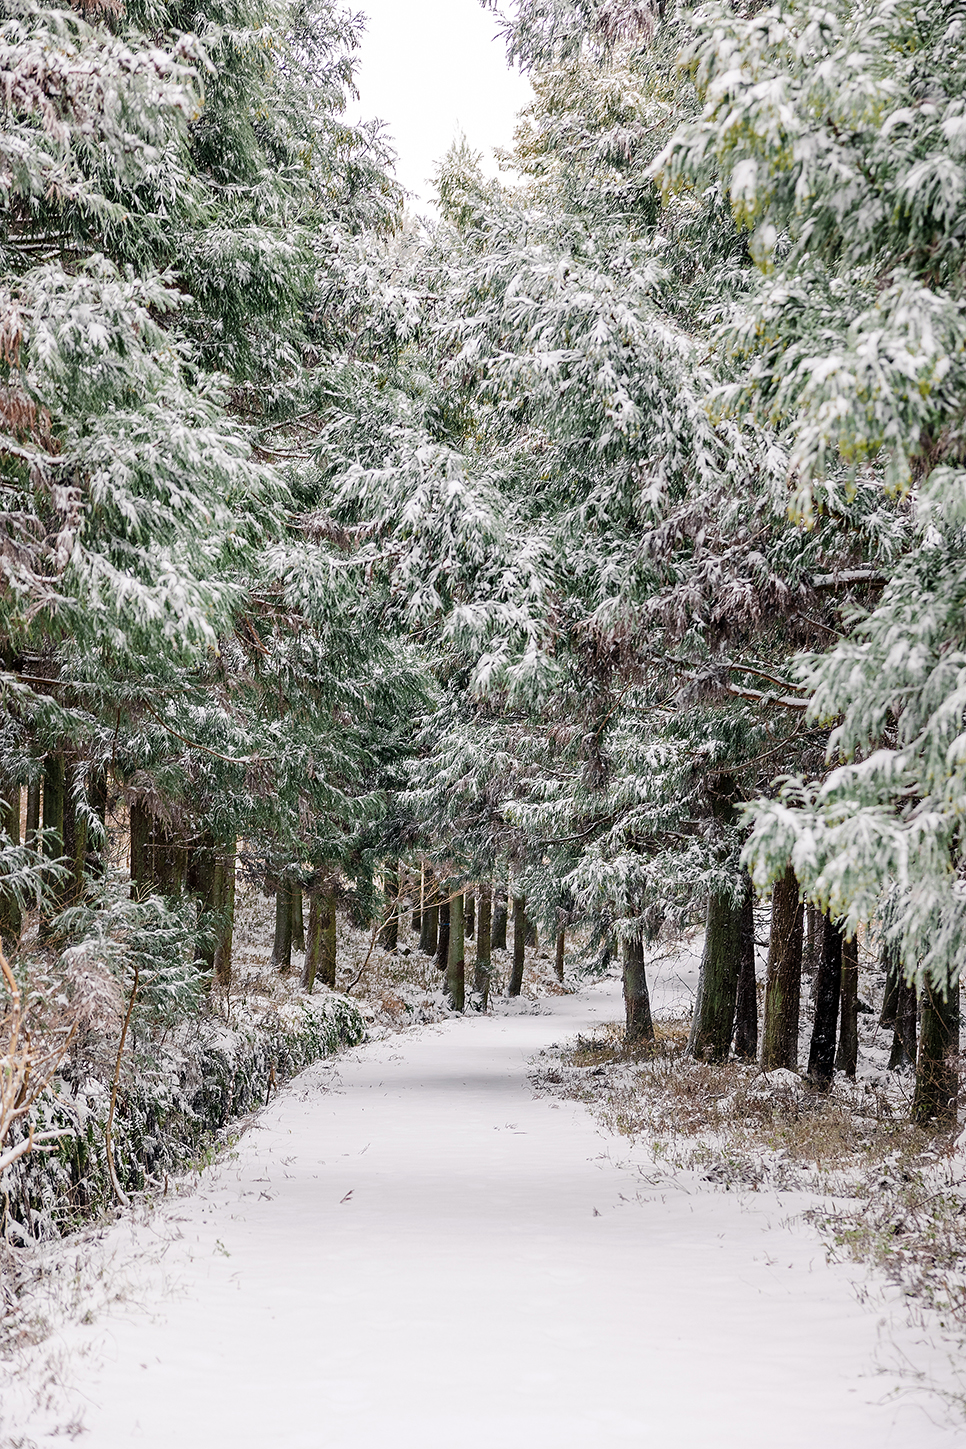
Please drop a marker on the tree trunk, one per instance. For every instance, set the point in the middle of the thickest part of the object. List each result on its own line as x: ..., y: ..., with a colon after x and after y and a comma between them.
x: 313, y: 941
x: 783, y: 978
x: 75, y: 838
x: 847, y: 1056
x: 54, y: 805
x: 140, y: 822
x: 389, y: 935
x: 637, y: 1004
x: 417, y: 917
x: 320, y: 946
x: 714, y: 1008
x: 519, y: 942
x: 32, y: 822
x: 456, y: 956
x: 469, y: 914
x: 282, y: 945
x: 442, y: 939
x: 936, y: 1095
x: 481, y: 970
x: 11, y: 916
x: 903, y: 1052
x: 97, y: 847
x: 746, y: 1011
x: 429, y: 932
x: 558, y: 964
x: 892, y: 965
x: 298, y: 919
x: 531, y: 938
x: 225, y: 906
x: 828, y: 985
x: 813, y: 940
x: 499, y: 924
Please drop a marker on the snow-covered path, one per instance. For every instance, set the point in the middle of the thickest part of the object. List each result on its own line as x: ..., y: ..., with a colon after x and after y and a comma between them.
x: 410, y: 1251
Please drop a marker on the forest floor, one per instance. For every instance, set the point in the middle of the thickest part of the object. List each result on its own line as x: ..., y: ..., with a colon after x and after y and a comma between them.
x: 413, y: 1246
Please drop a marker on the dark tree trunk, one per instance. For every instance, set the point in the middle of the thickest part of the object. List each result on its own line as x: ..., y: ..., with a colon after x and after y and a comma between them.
x: 714, y: 1008
x: 469, y: 915
x: 783, y: 979
x: 892, y: 966
x: 389, y: 935
x: 498, y: 928
x: 11, y: 916
x: 828, y: 986
x: 903, y: 1052
x: 519, y: 943
x: 211, y: 875
x: 320, y: 945
x: 442, y: 940
x: 361, y: 904
x: 481, y: 969
x: 456, y: 955
x: 813, y: 940
x: 97, y: 846
x: 847, y: 1055
x: 200, y: 876
x: 225, y: 906
x: 140, y: 830
x: 54, y: 805
x: 32, y: 822
x: 558, y: 964
x: 637, y: 1004
x: 282, y: 945
x: 936, y: 1094
x: 298, y: 920
x: 429, y: 932
x: 746, y: 1012
x: 531, y: 938
x: 75, y: 838
x: 417, y: 887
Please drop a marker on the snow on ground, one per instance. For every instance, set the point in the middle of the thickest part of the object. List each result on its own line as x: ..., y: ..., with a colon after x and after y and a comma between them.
x: 409, y: 1248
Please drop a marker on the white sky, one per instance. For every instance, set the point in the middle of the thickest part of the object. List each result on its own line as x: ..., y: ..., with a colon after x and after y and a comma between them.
x: 430, y: 69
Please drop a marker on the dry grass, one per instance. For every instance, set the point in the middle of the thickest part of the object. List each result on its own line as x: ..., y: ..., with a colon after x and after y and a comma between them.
x: 775, y: 1120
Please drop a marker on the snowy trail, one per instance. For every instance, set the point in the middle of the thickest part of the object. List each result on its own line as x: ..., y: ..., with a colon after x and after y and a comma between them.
x: 409, y: 1249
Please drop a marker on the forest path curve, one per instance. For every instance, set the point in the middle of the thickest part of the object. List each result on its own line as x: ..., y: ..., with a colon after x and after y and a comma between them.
x: 409, y: 1250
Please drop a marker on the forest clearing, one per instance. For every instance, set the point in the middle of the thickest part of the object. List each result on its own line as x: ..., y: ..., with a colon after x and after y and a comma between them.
x: 484, y: 698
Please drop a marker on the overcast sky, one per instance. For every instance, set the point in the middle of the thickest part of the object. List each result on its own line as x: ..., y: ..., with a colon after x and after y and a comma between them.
x: 432, y: 68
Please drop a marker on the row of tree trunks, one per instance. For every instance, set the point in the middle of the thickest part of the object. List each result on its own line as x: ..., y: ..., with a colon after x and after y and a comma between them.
x: 432, y: 917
